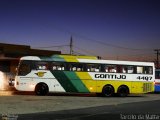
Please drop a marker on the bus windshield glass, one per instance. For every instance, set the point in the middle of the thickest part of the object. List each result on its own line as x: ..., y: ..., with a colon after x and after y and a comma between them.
x: 24, y: 68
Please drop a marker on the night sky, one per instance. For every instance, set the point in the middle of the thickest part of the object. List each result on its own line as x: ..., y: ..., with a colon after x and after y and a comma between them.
x: 112, y: 29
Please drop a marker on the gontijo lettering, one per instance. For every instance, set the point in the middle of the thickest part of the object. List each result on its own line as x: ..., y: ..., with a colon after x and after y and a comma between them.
x: 110, y: 76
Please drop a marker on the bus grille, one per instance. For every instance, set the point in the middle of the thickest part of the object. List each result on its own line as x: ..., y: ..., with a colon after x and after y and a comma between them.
x: 147, y: 87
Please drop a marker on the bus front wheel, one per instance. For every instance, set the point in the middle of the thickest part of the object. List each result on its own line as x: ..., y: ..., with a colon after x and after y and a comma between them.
x: 41, y: 89
x: 108, y: 91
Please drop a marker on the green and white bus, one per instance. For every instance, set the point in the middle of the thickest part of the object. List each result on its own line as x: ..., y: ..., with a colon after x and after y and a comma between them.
x: 83, y: 74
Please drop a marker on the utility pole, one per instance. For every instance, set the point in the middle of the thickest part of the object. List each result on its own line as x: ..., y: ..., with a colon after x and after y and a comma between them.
x: 71, y: 46
x: 157, y: 54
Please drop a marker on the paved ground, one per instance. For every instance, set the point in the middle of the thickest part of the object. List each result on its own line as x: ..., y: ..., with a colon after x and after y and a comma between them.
x: 148, y: 110
x: 21, y: 103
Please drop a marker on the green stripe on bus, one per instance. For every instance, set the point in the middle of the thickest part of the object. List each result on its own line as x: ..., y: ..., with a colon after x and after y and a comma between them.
x: 53, y: 58
x: 58, y: 58
x: 64, y: 81
x: 76, y: 81
x: 70, y: 81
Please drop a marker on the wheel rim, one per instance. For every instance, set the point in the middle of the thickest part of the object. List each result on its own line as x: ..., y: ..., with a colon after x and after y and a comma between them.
x: 123, y: 92
x: 41, y: 89
x: 108, y: 91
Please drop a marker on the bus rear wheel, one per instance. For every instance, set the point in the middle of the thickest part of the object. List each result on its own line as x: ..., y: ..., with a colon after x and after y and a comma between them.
x: 41, y: 89
x: 108, y: 91
x: 123, y: 91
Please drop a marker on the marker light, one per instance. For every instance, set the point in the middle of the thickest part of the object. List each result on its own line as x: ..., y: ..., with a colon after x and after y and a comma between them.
x: 91, y: 88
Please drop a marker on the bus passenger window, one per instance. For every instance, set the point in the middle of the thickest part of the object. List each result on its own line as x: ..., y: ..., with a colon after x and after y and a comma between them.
x: 130, y: 69
x: 41, y: 65
x: 58, y: 66
x: 148, y: 70
x: 124, y: 70
x: 73, y: 68
x: 79, y: 69
x: 93, y: 67
x: 112, y: 69
x: 140, y: 70
x: 127, y: 69
x: 54, y: 68
x: 104, y: 68
x: 76, y: 67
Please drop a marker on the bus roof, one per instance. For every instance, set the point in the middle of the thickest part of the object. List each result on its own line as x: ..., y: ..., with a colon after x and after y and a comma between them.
x: 67, y: 58
x: 85, y: 59
x: 117, y: 62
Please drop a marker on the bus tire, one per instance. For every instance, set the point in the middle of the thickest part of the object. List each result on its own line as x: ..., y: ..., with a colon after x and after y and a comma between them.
x: 41, y: 89
x: 123, y: 91
x: 108, y: 91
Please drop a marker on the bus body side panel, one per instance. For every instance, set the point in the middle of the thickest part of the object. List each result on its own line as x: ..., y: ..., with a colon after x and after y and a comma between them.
x: 88, y: 81
x: 29, y: 82
x: 115, y: 84
x: 142, y: 87
x: 96, y: 86
x: 70, y: 81
x: 132, y: 81
x: 23, y: 83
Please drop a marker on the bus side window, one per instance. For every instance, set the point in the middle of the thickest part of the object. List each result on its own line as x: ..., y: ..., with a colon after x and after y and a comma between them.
x: 112, y: 69
x: 139, y: 69
x: 93, y: 67
x: 124, y: 69
x: 80, y: 67
x: 128, y: 69
x: 119, y: 68
x: 76, y: 67
x: 104, y: 68
x: 54, y: 68
x: 41, y: 65
x: 148, y: 70
x: 57, y: 66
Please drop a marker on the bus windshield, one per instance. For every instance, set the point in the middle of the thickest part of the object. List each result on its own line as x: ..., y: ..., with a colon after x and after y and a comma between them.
x: 24, y: 68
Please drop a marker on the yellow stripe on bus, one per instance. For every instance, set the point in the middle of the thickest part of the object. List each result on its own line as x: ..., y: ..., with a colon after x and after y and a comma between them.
x: 75, y: 58
x: 87, y: 81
